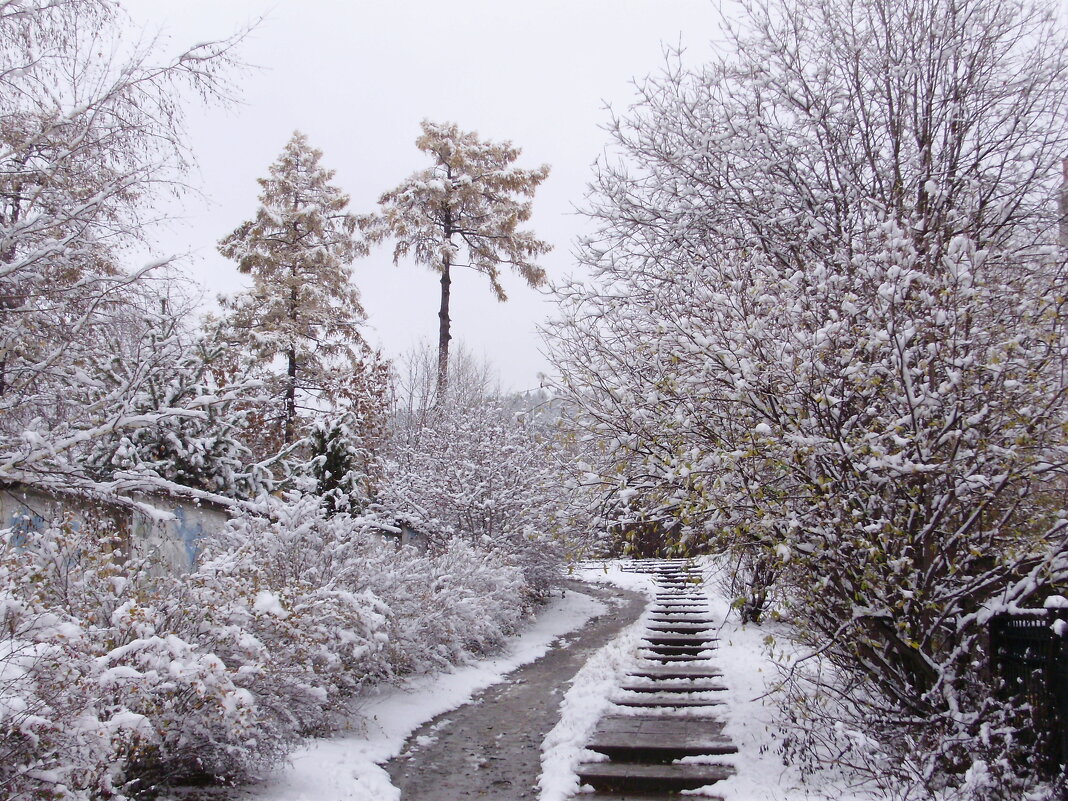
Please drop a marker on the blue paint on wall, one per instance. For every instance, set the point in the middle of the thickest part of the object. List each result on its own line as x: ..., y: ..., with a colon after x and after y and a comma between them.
x: 190, y: 532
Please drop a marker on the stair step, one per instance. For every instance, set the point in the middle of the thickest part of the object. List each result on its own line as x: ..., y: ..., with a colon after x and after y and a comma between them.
x: 642, y: 700
x: 646, y: 725
x: 682, y: 628
x: 680, y: 600
x: 667, y: 686
x: 671, y: 638
x: 653, y: 671
x: 689, y: 619
x: 688, y: 592
x: 624, y: 776
x: 673, y: 658
x: 658, y: 651
x: 662, y: 748
x: 676, y: 603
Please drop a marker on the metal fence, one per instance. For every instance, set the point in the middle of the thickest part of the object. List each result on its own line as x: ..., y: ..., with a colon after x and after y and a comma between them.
x: 1031, y: 661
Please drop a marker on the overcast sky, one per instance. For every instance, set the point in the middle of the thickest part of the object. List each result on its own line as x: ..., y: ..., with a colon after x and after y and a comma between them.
x: 357, y: 78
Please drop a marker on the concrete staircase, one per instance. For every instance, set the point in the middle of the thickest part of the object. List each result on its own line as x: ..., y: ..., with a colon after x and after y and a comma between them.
x: 665, y: 736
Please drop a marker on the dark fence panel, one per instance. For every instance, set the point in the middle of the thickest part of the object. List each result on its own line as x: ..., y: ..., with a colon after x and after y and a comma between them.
x: 1031, y: 662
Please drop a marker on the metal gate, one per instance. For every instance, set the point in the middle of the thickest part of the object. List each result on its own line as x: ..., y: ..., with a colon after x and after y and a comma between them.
x: 1031, y: 661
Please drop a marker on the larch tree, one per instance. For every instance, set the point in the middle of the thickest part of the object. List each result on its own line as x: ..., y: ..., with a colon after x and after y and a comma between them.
x: 302, y: 305
x: 463, y: 211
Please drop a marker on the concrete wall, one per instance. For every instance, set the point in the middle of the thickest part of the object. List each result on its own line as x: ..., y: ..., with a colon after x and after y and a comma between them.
x: 169, y: 535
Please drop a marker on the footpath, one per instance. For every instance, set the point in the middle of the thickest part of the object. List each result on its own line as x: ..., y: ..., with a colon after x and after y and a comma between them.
x: 663, y: 735
x: 490, y: 749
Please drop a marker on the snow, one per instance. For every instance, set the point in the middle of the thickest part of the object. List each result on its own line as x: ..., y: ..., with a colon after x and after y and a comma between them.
x: 587, y: 700
x: 749, y: 710
x: 347, y: 767
x: 750, y: 714
x: 268, y: 603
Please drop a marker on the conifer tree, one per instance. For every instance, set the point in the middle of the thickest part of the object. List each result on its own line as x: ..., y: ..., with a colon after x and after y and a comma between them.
x: 462, y: 211
x: 302, y: 305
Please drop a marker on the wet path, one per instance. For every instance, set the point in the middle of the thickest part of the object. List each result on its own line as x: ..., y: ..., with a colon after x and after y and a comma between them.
x: 491, y: 748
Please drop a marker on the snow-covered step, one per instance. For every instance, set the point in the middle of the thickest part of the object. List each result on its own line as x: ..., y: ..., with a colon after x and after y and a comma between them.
x: 666, y: 627
x: 654, y: 671
x: 677, y: 650
x: 651, y: 724
x: 669, y: 686
x: 672, y: 659
x: 671, y: 638
x: 631, y: 776
x: 660, y: 700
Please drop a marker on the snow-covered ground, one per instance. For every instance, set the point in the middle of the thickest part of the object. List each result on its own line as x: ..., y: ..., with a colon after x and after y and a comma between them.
x: 748, y: 673
x: 588, y: 697
x: 346, y: 767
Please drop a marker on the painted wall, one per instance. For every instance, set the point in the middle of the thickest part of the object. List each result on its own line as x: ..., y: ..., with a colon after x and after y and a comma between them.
x: 170, y: 536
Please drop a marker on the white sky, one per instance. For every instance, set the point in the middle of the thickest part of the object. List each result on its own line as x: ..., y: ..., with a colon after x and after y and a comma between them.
x: 357, y: 78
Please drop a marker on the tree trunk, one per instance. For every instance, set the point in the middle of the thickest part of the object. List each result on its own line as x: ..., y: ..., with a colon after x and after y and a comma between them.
x: 291, y: 398
x: 289, y: 431
x: 443, y: 333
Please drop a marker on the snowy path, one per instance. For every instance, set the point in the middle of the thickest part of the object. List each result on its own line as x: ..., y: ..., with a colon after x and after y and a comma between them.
x: 347, y: 767
x: 491, y: 748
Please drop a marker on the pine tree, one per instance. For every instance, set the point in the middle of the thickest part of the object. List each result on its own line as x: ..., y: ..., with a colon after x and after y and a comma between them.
x: 466, y: 205
x: 302, y: 305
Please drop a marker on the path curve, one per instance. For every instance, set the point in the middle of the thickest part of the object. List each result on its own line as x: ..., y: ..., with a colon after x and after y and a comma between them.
x: 490, y: 748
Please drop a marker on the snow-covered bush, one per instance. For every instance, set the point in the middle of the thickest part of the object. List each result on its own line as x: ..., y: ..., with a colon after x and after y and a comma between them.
x: 284, y: 606
x: 825, y: 330
x: 115, y: 680
x: 406, y: 611
x: 101, y: 694
x: 52, y: 744
x: 479, y: 466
